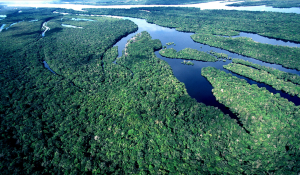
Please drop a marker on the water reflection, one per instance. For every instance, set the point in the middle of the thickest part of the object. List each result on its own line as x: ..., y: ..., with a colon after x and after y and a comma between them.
x: 81, y: 19
x: 13, y: 24
x: 266, y: 40
x: 197, y: 86
x: 47, y: 67
x: 34, y: 20
x: 70, y: 26
x: 2, y: 27
x: 45, y: 27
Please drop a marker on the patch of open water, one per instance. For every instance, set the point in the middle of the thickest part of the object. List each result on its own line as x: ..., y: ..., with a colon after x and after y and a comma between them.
x: 47, y: 67
x: 70, y: 26
x: 2, y: 27
x: 197, y: 86
x: 265, y: 40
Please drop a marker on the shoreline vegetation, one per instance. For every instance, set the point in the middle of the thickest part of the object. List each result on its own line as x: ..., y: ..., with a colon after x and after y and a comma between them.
x: 262, y: 113
x: 187, y: 63
x: 282, y: 26
x: 207, y: 24
x: 135, y: 117
x: 115, y: 123
x: 282, y: 55
x: 170, y: 43
x: 219, y: 55
x: 187, y: 53
x: 264, y: 77
x: 294, y: 78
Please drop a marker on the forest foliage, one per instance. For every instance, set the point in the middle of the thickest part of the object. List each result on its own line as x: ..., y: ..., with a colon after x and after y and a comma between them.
x: 264, y: 77
x: 283, y: 55
x: 282, y: 26
x: 187, y: 53
x: 82, y: 64
x: 270, y: 118
x: 279, y: 74
x: 210, y: 25
x: 103, y: 114
x: 132, y: 121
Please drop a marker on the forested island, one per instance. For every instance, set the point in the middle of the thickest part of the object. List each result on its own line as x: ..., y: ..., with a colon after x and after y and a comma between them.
x: 208, y: 24
x: 265, y: 77
x: 188, y: 53
x: 104, y: 114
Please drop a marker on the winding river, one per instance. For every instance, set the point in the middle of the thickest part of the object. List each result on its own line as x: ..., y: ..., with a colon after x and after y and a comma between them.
x: 197, y: 86
x: 45, y: 27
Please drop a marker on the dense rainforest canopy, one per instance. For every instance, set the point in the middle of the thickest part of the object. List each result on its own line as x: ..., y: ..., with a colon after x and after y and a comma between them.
x: 103, y: 114
x: 211, y: 25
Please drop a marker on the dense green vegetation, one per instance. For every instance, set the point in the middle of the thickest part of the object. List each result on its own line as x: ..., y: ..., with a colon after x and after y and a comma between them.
x: 271, y: 120
x: 187, y: 63
x: 264, y: 77
x: 82, y: 64
x: 283, y: 55
x: 216, y: 22
x: 187, y: 53
x: 137, y: 118
x: 273, y: 3
x: 219, y: 55
x: 170, y: 43
x: 279, y: 74
x: 133, y: 117
x: 207, y: 24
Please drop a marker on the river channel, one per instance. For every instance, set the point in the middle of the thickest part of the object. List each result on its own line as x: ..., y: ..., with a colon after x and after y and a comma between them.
x: 197, y: 86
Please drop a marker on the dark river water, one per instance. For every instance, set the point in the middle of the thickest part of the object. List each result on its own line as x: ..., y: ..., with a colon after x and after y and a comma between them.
x: 197, y: 86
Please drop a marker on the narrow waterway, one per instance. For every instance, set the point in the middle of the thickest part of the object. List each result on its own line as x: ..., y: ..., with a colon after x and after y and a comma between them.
x: 2, y: 27
x: 70, y: 26
x: 265, y: 40
x: 48, y: 67
x: 45, y: 27
x: 197, y: 86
